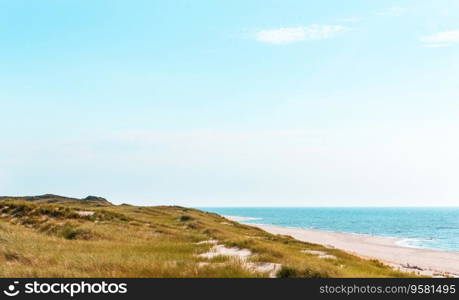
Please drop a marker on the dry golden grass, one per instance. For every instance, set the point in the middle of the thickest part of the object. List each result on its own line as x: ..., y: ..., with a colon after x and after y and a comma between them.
x: 54, y: 240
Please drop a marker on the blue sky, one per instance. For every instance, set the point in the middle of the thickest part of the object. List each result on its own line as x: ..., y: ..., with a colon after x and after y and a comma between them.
x: 231, y: 103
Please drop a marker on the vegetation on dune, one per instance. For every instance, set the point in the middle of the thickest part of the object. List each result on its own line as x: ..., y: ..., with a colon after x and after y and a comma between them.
x: 93, y: 238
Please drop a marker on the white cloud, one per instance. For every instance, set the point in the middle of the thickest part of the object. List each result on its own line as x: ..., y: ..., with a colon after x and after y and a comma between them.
x: 441, y: 39
x: 288, y: 35
x: 394, y: 11
x: 349, y: 20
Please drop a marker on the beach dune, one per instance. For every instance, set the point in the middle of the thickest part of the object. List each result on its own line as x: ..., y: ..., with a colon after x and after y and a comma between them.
x: 421, y: 261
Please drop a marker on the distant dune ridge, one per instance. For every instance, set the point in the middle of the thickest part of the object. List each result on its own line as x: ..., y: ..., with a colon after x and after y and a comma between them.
x: 51, y: 198
x: 56, y: 236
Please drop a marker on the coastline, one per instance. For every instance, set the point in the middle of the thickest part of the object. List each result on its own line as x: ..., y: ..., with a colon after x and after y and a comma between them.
x: 387, y: 250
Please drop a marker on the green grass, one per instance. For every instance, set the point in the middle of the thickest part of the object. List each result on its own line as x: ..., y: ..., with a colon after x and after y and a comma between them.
x: 50, y: 239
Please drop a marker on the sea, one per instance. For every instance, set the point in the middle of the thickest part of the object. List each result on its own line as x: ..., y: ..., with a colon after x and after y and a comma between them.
x: 418, y: 227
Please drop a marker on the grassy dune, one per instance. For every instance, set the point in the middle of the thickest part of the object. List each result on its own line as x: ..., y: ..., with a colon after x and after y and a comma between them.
x: 64, y: 237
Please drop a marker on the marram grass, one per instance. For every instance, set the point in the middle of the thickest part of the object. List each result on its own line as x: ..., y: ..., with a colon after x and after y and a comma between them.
x: 61, y: 240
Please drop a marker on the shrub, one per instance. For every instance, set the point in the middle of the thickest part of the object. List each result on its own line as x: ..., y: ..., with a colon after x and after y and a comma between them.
x: 68, y: 232
x: 314, y: 274
x: 184, y: 218
x: 287, y: 272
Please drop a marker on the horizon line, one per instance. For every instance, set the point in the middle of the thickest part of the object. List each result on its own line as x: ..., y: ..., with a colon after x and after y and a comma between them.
x: 430, y: 206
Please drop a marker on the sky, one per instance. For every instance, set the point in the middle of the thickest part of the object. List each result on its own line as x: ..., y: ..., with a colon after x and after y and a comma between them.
x: 231, y: 103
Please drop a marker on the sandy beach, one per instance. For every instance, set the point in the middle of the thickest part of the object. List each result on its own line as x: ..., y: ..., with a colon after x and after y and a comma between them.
x: 421, y: 261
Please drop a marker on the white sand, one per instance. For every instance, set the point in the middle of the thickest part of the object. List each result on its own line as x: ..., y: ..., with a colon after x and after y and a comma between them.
x: 85, y: 213
x: 241, y: 255
x: 422, y: 261
x: 221, y: 250
x: 320, y: 254
x: 212, y: 242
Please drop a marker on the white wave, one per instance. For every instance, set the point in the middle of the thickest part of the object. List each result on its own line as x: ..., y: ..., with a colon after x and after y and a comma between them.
x: 410, y: 243
x: 241, y: 219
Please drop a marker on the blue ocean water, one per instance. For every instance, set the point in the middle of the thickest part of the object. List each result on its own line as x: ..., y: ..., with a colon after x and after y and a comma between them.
x: 433, y: 228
